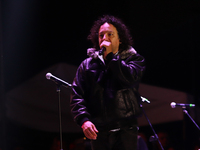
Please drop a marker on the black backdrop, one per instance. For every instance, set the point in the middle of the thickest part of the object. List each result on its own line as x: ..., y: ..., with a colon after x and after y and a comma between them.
x: 38, y: 34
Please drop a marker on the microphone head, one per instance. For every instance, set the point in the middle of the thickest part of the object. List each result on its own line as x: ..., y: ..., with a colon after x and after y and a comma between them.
x: 48, y: 76
x: 101, y: 51
x: 173, y: 104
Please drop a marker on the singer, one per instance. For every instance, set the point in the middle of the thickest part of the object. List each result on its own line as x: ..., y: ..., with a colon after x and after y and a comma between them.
x: 105, y: 101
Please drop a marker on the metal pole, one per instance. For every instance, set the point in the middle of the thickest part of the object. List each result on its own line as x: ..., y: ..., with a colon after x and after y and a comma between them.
x: 2, y: 87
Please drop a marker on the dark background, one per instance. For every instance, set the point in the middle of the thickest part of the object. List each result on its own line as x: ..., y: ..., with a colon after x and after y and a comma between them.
x: 37, y: 34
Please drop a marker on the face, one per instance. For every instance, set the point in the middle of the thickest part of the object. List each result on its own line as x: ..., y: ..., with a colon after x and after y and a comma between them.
x: 108, y: 32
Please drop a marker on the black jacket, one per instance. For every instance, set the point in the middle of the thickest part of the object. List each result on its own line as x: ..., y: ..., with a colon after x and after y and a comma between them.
x: 107, y: 93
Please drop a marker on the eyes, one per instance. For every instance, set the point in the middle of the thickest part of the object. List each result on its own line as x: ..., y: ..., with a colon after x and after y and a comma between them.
x: 109, y: 34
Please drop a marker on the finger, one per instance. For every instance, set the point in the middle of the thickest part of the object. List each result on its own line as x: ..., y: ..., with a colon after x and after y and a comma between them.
x: 95, y: 129
x: 90, y: 134
x: 105, y: 44
x: 87, y: 135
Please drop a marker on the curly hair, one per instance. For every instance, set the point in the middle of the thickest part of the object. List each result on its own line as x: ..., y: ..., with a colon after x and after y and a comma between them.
x: 123, y: 32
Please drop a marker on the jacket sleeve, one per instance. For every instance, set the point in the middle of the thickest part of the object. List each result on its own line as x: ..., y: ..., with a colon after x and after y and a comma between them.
x: 128, y: 71
x: 77, y: 101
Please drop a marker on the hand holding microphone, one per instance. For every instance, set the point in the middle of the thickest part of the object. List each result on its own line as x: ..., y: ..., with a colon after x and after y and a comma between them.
x: 106, y: 48
x: 101, y: 51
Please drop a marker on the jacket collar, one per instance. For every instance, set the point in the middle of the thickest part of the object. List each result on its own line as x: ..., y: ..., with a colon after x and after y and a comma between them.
x: 91, y: 52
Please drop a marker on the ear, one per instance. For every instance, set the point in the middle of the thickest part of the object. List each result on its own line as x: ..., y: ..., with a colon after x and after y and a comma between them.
x: 120, y: 41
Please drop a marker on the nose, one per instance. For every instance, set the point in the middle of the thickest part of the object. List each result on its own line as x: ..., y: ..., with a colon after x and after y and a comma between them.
x: 105, y: 36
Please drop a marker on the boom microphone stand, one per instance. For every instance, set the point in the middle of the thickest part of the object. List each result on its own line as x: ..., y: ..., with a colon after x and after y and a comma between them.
x: 155, y: 137
x: 59, y: 83
x: 183, y: 106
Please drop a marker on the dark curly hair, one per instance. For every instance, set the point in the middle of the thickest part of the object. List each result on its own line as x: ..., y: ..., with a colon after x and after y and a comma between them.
x: 123, y: 32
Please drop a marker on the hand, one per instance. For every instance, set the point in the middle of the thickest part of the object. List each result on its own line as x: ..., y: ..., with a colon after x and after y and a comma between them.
x: 89, y: 130
x: 108, y: 47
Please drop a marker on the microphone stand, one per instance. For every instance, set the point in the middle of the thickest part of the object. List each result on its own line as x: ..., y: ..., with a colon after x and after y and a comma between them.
x: 58, y: 82
x: 155, y: 137
x: 59, y: 109
x: 186, y: 112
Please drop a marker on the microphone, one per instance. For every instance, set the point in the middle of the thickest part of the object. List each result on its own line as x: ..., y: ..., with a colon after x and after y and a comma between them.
x: 144, y: 99
x: 101, y: 51
x: 174, y: 105
x: 58, y: 81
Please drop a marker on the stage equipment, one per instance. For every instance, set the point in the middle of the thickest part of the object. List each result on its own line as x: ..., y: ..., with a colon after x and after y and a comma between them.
x: 184, y: 106
x: 154, y: 137
x: 174, y: 105
x: 58, y: 82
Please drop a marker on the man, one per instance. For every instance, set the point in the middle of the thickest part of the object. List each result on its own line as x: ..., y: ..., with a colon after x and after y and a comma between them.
x: 105, y: 100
